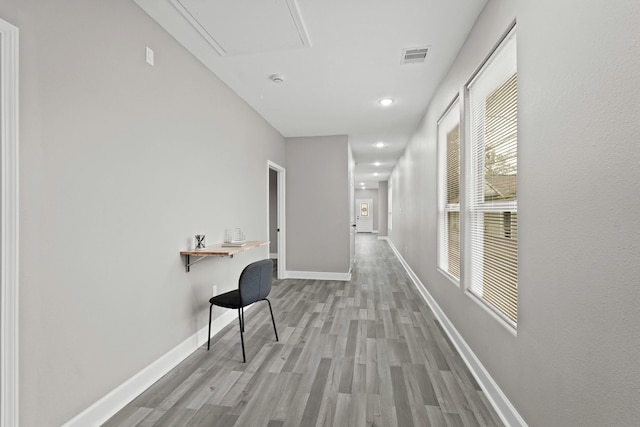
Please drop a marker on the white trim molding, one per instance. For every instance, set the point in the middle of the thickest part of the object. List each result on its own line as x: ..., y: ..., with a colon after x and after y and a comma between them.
x: 318, y: 275
x: 506, y: 411
x: 110, y: 404
x: 9, y: 266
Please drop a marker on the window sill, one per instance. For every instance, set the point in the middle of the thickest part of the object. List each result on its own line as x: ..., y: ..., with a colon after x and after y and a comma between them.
x: 449, y: 277
x: 507, y: 324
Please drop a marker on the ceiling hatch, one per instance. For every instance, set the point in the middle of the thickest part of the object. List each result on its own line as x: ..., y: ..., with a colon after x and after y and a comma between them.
x: 414, y: 55
x: 237, y: 27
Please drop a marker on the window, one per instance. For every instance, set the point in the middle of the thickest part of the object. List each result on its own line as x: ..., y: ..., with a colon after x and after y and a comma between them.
x: 449, y: 192
x: 491, y: 185
x: 364, y: 209
x: 389, y: 210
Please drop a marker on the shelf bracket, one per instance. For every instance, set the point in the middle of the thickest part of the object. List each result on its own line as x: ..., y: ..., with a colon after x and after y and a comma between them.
x: 188, y: 263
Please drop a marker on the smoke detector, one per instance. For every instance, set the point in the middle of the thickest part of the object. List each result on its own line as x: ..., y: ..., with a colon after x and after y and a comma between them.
x: 276, y: 78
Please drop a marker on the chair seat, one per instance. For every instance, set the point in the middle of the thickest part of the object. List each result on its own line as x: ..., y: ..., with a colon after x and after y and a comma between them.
x: 253, y: 286
x: 229, y: 299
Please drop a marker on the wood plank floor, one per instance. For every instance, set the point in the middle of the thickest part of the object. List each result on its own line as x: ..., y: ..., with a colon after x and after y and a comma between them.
x: 367, y: 352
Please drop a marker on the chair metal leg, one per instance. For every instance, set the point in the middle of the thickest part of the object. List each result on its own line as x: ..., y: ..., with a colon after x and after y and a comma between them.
x: 242, y: 310
x: 209, y: 335
x: 241, y: 320
x: 272, y: 319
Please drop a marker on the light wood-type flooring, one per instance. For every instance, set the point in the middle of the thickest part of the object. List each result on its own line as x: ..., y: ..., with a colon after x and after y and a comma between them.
x: 367, y: 352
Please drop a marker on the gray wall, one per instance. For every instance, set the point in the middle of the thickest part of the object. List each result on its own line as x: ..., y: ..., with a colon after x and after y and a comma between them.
x: 382, y: 209
x: 318, y: 207
x: 574, y: 361
x: 121, y: 164
x: 368, y: 194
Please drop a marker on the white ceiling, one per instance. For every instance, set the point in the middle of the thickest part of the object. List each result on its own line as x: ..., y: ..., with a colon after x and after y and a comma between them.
x: 338, y: 58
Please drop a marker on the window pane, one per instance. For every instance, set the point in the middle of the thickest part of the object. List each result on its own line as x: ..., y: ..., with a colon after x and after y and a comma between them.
x: 449, y: 191
x: 500, y: 260
x: 453, y: 240
x: 453, y: 165
x: 364, y: 209
x: 500, y: 139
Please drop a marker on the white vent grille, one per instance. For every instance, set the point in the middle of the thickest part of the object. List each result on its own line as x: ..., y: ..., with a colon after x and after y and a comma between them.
x: 414, y: 55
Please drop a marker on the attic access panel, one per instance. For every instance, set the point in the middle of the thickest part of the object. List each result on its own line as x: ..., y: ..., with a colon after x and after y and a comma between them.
x: 250, y: 26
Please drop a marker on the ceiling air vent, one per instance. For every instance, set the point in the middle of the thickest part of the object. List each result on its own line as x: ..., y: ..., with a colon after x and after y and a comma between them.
x: 414, y: 55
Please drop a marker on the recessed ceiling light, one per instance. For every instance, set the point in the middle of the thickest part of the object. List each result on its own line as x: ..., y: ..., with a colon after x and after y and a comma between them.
x: 375, y: 174
x: 377, y: 164
x: 380, y: 144
x: 362, y: 183
x: 385, y: 102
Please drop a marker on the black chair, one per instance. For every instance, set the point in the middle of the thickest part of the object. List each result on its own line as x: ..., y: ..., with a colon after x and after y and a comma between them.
x: 254, y: 285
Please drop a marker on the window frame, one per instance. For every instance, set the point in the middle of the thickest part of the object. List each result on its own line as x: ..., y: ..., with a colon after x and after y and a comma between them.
x: 454, y: 111
x: 389, y: 209
x: 472, y: 182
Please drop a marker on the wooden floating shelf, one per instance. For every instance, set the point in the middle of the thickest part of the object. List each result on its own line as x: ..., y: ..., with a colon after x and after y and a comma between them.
x: 219, y: 251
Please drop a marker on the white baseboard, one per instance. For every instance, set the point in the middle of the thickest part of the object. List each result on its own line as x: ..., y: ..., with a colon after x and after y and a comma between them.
x: 107, y: 406
x: 384, y: 238
x: 318, y: 275
x: 273, y: 255
x: 506, y: 411
x: 118, y: 398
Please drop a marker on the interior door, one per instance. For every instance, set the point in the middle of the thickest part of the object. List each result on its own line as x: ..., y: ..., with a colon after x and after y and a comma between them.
x: 273, y: 218
x: 277, y: 218
x: 352, y: 221
x: 364, y: 215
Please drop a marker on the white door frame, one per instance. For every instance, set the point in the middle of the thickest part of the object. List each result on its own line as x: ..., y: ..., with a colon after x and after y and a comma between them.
x: 282, y: 241
x: 8, y: 224
x: 352, y: 221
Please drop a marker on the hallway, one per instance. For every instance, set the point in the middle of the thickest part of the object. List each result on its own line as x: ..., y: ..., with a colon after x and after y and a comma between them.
x: 367, y: 352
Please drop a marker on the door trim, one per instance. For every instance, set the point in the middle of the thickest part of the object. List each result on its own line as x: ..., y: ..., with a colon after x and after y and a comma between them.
x: 9, y: 224
x: 282, y: 220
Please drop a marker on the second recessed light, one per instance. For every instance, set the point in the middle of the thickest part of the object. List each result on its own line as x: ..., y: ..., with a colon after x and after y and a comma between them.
x: 385, y: 102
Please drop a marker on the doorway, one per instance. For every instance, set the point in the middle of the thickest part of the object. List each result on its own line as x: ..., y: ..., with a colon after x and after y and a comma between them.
x: 276, y: 214
x: 364, y: 215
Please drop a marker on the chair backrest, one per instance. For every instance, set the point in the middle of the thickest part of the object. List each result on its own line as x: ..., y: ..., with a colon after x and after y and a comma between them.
x: 255, y: 281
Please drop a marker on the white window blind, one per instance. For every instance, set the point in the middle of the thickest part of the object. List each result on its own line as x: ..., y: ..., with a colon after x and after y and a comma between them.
x: 492, y: 184
x: 449, y: 192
